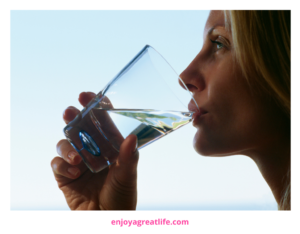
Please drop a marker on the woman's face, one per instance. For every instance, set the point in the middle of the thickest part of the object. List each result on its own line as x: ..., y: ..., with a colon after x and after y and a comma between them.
x: 232, y: 120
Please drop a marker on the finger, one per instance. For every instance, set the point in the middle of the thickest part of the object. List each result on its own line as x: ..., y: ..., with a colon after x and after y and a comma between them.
x: 67, y: 152
x: 122, y: 178
x: 128, y: 159
x: 107, y: 124
x: 63, y: 170
x: 86, y: 97
x: 128, y: 150
x: 70, y: 113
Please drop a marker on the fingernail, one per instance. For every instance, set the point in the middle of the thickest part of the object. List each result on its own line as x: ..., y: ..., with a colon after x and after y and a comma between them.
x: 136, y: 146
x: 72, y: 155
x: 73, y: 171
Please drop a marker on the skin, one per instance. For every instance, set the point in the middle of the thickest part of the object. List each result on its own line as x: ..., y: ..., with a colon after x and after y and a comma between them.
x: 114, y: 188
x: 235, y: 119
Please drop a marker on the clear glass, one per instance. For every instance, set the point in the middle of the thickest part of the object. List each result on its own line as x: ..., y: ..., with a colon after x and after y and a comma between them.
x: 146, y: 98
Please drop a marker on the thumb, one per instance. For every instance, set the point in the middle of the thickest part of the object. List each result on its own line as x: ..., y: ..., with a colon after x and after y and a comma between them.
x: 121, y: 189
x: 128, y: 157
x: 128, y: 150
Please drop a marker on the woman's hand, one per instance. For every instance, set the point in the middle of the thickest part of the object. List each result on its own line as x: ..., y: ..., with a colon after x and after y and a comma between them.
x: 114, y: 188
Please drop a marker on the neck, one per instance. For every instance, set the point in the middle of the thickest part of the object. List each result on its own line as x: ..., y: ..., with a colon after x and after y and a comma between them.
x: 274, y: 165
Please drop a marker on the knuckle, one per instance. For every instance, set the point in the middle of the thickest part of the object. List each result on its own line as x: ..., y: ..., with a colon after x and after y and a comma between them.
x: 59, y: 145
x: 54, y: 162
x: 91, y: 94
x: 124, y: 189
x: 57, y: 164
x: 72, y: 108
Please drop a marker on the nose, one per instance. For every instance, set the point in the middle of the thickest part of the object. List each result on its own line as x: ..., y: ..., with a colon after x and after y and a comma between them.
x: 192, y: 77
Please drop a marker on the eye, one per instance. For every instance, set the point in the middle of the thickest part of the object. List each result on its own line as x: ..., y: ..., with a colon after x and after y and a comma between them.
x: 219, y: 45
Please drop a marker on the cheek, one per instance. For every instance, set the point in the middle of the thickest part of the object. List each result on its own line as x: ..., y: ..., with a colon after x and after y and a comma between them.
x: 231, y: 116
x: 228, y: 124
x: 230, y: 127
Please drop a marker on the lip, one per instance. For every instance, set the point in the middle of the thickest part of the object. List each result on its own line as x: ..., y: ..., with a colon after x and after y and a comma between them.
x: 197, y: 112
x: 198, y: 117
x: 193, y: 108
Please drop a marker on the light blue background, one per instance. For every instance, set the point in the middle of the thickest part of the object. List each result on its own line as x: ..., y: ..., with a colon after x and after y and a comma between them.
x: 57, y: 54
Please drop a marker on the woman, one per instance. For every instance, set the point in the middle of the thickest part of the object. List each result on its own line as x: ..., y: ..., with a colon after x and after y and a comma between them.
x: 241, y: 81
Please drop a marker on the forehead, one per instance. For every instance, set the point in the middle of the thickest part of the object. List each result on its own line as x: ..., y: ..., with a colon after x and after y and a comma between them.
x: 215, y: 18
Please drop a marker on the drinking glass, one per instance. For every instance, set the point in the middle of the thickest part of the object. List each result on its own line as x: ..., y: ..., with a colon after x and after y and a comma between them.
x: 146, y: 98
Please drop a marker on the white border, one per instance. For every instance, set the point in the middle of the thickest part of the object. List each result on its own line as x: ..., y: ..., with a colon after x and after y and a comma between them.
x: 99, y: 222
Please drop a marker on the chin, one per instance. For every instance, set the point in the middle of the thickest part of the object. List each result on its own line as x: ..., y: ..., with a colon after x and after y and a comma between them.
x: 210, y: 151
x: 205, y: 147
x: 202, y: 147
x: 204, y: 151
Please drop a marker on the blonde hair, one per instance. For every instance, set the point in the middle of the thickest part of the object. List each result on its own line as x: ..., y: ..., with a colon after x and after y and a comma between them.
x: 261, y: 42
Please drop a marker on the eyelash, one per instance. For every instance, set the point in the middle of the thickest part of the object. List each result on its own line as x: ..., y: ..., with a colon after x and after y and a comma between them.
x: 218, y: 44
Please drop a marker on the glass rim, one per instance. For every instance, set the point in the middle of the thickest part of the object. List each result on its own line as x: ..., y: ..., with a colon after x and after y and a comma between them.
x: 134, y: 60
x: 148, y: 46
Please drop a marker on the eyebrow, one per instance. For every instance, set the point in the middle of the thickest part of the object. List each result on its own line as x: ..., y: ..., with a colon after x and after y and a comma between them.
x: 214, y: 27
x: 210, y: 31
